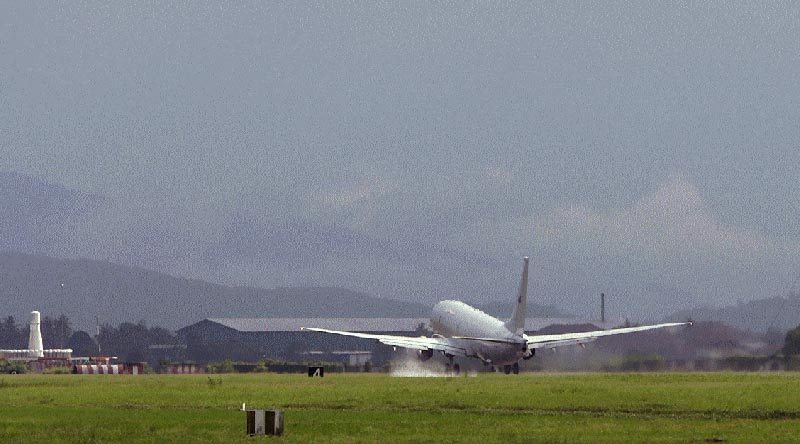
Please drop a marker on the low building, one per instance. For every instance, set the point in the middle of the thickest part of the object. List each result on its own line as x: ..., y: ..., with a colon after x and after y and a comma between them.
x: 350, y: 358
x: 182, y: 368
x: 160, y: 354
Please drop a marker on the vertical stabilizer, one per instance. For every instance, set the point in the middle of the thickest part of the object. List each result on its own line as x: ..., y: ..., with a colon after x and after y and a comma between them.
x: 35, y: 347
x: 517, y: 321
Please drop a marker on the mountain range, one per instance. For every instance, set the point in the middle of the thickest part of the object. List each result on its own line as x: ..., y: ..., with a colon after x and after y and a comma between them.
x: 133, y: 258
x: 257, y: 248
x: 118, y: 293
x: 118, y: 263
x: 38, y: 216
x: 114, y: 293
x: 781, y: 313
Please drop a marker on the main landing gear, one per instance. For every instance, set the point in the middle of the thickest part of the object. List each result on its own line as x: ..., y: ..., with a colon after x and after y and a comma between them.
x: 451, y: 367
x: 507, y: 369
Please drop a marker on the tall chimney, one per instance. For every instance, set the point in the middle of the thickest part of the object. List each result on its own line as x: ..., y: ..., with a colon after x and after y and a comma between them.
x: 35, y: 347
x: 603, y: 308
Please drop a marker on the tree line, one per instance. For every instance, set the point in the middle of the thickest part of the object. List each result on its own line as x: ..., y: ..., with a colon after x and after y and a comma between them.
x: 56, y: 333
x: 131, y: 341
x: 128, y: 341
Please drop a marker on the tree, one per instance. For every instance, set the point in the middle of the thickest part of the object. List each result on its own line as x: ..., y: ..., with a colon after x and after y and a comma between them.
x: 11, y: 336
x: 56, y: 331
x: 791, y: 345
x: 130, y: 342
x: 13, y: 367
x: 774, y: 338
x: 82, y: 344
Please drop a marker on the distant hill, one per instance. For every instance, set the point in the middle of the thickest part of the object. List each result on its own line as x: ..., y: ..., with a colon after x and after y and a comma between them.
x: 38, y: 216
x: 116, y: 293
x: 759, y: 315
x: 240, y: 247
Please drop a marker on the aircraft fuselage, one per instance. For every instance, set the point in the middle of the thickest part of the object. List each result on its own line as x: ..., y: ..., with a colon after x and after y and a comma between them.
x: 455, y: 319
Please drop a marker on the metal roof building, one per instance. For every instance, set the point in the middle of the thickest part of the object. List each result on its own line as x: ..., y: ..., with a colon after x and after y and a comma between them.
x: 294, y: 324
x: 252, y: 339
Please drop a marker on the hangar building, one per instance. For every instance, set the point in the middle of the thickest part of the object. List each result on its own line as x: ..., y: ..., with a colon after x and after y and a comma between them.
x: 251, y: 339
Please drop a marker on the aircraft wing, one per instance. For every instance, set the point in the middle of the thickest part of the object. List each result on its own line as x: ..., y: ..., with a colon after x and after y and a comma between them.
x: 419, y: 343
x: 553, y: 341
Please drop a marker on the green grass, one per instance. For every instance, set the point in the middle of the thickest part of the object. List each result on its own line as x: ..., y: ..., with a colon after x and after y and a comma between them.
x: 661, y: 407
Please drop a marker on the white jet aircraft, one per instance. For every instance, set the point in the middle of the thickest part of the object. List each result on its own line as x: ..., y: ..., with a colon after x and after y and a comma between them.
x: 462, y: 330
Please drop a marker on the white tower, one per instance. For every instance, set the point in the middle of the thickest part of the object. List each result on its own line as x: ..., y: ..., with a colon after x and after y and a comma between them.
x: 35, y: 347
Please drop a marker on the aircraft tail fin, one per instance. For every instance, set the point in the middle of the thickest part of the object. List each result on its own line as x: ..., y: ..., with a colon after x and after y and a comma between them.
x: 517, y: 321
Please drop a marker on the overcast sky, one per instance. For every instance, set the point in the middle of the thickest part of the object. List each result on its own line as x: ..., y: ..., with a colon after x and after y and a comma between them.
x: 640, y: 148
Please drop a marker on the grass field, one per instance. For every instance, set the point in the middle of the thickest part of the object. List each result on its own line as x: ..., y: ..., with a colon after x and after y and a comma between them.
x: 661, y: 407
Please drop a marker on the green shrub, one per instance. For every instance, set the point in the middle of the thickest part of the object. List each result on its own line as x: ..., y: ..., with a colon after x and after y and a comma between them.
x: 225, y: 366
x: 12, y: 367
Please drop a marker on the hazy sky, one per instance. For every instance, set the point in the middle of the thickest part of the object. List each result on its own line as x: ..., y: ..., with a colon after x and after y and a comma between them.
x: 644, y: 149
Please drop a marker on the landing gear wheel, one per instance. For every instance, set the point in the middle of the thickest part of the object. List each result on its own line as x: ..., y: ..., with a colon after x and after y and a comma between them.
x: 515, y: 368
x: 456, y: 369
x: 507, y: 369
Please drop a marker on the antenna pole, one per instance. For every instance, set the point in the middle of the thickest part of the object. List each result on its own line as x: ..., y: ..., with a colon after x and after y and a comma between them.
x: 97, y: 336
x: 603, y: 308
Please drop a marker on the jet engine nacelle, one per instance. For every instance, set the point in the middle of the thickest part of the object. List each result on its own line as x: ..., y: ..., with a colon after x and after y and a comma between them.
x: 424, y: 355
x: 529, y: 354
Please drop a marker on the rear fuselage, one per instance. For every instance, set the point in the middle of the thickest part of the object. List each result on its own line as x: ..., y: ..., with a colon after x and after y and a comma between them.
x: 454, y: 319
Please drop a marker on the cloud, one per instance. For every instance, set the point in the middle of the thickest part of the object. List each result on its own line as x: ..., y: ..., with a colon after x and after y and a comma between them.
x: 334, y: 199
x: 674, y: 220
x: 669, y: 239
